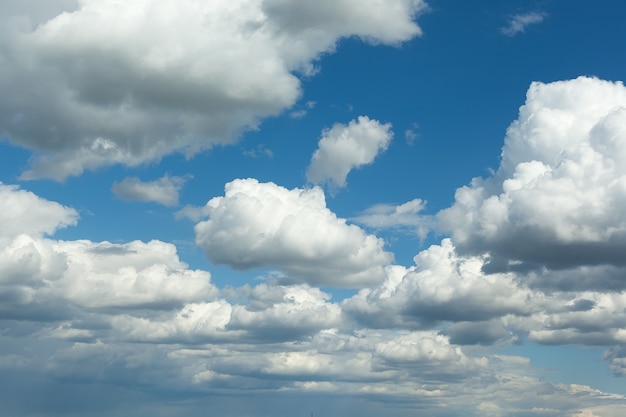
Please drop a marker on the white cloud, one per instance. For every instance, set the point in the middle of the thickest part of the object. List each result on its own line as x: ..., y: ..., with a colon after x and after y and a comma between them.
x: 163, y: 190
x: 557, y: 198
x: 193, y: 323
x: 258, y: 224
x: 36, y: 272
x: 130, y: 82
x: 343, y: 148
x: 519, y: 22
x: 262, y: 314
x: 134, y: 274
x: 22, y: 212
x: 441, y: 287
x: 46, y: 277
x: 284, y: 312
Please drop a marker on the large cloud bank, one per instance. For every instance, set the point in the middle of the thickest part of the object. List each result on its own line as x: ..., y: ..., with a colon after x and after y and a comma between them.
x: 130, y: 82
x: 132, y: 314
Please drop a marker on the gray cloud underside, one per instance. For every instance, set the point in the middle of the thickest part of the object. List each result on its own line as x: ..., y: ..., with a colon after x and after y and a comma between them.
x: 134, y: 315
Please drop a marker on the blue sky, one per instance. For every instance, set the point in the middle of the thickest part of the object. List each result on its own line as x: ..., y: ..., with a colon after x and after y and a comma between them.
x: 278, y: 208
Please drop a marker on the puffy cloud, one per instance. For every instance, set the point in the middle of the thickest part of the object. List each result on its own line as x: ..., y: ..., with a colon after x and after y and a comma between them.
x: 442, y: 286
x: 519, y: 22
x: 22, y: 212
x: 37, y: 273
x: 194, y: 323
x: 343, y: 148
x: 43, y: 277
x: 130, y: 82
x: 134, y: 274
x: 257, y: 224
x: 163, y: 190
x: 284, y: 312
x: 262, y: 314
x: 557, y: 198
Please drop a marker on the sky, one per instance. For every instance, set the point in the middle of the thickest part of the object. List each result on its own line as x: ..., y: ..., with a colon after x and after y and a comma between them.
x: 253, y: 208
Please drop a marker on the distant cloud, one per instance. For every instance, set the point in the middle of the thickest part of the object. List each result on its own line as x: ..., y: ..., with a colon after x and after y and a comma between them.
x: 300, y: 113
x: 403, y: 216
x: 412, y: 134
x: 519, y: 22
x: 343, y: 148
x: 162, y: 191
x: 260, y: 151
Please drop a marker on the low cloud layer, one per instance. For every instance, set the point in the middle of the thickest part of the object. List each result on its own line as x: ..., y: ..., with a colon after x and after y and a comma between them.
x: 132, y: 314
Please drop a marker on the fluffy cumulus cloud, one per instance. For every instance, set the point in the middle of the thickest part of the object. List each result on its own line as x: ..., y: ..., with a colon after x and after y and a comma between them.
x: 129, y: 82
x: 556, y: 201
x: 42, y: 277
x: 262, y: 224
x: 163, y: 190
x: 39, y: 273
x: 22, y: 212
x: 343, y: 148
x: 441, y: 287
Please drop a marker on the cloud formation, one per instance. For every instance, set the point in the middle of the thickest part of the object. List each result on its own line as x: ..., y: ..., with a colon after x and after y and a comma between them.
x: 162, y: 191
x: 403, y: 216
x: 441, y: 287
x: 133, y: 314
x: 22, y: 212
x: 343, y: 148
x: 262, y: 224
x: 519, y: 22
x: 556, y: 200
x: 168, y: 76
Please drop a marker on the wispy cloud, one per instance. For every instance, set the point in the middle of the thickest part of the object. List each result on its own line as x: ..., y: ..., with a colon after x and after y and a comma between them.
x: 162, y: 191
x: 403, y: 216
x: 519, y: 22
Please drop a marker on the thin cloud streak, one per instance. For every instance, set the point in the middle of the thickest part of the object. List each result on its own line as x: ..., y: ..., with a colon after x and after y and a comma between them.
x: 519, y: 22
